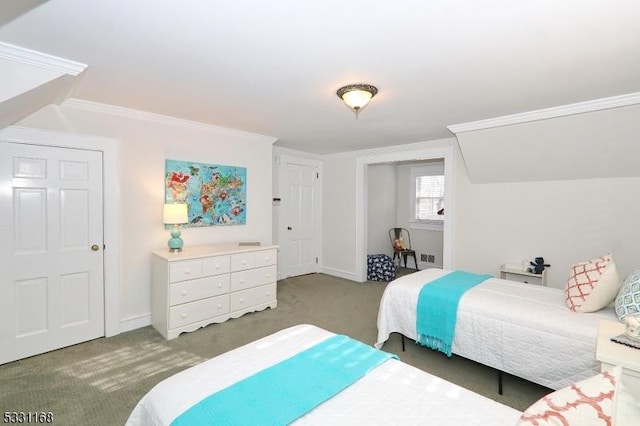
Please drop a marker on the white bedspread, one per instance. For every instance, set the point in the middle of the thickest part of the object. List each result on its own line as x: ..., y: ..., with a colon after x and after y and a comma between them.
x: 522, y: 329
x: 394, y: 393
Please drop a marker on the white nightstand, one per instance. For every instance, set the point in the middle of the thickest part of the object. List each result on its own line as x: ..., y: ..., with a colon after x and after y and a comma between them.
x: 515, y: 273
x: 611, y: 354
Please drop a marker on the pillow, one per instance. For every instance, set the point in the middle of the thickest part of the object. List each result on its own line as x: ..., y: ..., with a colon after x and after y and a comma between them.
x: 592, y: 285
x: 399, y: 244
x: 628, y: 299
x: 597, y: 400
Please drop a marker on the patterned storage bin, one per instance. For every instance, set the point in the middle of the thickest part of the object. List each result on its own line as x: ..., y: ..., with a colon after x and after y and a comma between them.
x: 380, y: 267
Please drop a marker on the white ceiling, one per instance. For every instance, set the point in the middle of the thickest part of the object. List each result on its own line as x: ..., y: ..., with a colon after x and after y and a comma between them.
x: 273, y: 67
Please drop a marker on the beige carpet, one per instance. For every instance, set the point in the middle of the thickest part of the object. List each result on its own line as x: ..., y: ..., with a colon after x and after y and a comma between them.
x: 99, y: 382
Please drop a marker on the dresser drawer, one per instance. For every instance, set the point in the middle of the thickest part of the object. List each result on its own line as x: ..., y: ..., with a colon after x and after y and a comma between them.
x: 253, y: 296
x: 185, y: 270
x: 242, y: 261
x: 266, y: 257
x: 216, y: 265
x: 198, y: 311
x: 188, y: 291
x: 253, y: 277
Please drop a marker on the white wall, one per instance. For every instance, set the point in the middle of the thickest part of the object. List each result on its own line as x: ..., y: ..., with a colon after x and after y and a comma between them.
x: 339, y: 217
x: 345, y: 207
x: 382, y: 208
x: 564, y: 188
x: 146, y: 141
x: 563, y: 221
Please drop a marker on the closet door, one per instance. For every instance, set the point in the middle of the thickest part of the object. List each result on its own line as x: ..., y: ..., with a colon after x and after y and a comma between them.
x: 51, y: 280
x: 301, y: 217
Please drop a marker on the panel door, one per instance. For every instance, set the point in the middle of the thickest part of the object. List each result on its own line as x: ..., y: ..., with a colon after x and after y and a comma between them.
x: 51, y: 281
x: 301, y: 221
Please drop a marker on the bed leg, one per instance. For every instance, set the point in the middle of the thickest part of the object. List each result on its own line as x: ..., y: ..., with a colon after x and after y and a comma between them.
x: 500, y: 382
x: 402, y: 337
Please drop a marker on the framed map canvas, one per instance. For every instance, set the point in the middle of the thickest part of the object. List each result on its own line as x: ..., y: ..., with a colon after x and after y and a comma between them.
x: 215, y: 194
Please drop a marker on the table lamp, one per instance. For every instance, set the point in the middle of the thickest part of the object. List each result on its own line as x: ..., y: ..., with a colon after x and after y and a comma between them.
x: 176, y: 215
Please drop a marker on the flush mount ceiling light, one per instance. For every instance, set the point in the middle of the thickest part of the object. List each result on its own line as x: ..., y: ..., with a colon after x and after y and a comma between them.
x: 357, y: 96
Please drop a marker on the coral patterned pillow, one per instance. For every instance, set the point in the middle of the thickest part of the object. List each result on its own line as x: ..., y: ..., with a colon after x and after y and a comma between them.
x: 588, y: 402
x: 592, y: 285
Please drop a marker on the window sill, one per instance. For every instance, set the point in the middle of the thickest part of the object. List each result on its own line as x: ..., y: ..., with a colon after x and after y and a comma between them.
x: 427, y: 226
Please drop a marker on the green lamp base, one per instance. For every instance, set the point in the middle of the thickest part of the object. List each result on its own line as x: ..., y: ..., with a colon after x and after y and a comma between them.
x: 175, y: 242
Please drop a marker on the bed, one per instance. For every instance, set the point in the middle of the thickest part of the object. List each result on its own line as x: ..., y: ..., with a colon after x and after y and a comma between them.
x: 521, y: 329
x: 391, y: 393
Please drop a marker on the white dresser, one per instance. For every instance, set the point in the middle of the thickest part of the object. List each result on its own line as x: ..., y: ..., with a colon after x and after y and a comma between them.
x: 210, y: 284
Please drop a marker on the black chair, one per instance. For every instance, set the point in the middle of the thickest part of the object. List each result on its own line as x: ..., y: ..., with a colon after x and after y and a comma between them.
x: 401, y: 242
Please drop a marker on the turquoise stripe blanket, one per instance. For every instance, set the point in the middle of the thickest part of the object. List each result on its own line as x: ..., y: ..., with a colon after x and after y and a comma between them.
x: 282, y: 393
x: 437, y: 309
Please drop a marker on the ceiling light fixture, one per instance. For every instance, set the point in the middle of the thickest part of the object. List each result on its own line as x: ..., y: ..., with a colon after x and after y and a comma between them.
x: 357, y: 96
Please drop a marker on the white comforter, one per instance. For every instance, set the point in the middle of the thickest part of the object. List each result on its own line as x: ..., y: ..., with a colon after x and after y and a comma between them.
x: 522, y: 329
x: 394, y: 393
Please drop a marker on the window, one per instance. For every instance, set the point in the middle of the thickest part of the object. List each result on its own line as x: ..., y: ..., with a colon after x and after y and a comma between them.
x: 427, y: 197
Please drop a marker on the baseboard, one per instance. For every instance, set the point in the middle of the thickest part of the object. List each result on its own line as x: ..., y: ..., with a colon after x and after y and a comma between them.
x: 424, y: 265
x: 134, y: 322
x: 340, y: 274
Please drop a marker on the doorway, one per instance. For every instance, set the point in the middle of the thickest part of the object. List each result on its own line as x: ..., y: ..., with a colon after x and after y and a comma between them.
x: 440, y: 150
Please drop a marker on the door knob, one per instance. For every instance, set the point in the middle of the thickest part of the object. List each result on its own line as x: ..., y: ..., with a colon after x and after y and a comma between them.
x: 95, y: 247
x: 289, y: 228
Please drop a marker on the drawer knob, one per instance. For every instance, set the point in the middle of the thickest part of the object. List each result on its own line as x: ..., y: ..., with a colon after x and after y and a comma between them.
x: 241, y: 300
x: 217, y: 266
x: 242, y: 280
x: 219, y: 285
x: 183, y: 316
x: 219, y: 305
x: 244, y: 262
x: 266, y: 259
x: 187, y: 271
x: 184, y: 292
x: 268, y: 293
x: 268, y: 275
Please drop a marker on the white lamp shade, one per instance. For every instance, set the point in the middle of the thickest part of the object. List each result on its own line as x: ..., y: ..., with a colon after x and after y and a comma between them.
x: 175, y: 214
x: 357, y: 99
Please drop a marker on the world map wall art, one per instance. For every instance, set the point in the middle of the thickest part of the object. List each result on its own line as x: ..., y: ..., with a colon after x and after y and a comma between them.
x: 215, y: 194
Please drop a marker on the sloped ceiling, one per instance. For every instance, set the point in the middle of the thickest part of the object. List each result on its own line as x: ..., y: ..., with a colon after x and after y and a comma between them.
x: 273, y: 67
x: 595, y: 144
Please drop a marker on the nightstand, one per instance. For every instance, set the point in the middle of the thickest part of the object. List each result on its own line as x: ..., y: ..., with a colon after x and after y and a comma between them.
x: 611, y: 354
x: 515, y: 273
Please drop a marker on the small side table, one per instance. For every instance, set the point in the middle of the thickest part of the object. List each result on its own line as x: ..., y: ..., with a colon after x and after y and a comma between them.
x: 611, y: 354
x: 515, y: 273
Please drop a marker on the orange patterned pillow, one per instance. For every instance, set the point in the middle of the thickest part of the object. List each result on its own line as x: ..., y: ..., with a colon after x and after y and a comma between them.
x: 592, y: 285
x: 588, y: 402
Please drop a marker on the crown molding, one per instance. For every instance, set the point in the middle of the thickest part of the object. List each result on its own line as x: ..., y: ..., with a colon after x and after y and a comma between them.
x: 162, y: 119
x: 394, y: 149
x: 544, y: 114
x: 42, y: 60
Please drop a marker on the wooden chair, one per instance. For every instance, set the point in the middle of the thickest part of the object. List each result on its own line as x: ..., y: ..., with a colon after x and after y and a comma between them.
x: 401, y: 242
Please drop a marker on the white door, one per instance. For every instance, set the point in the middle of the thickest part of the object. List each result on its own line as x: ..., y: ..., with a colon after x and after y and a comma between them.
x: 301, y: 223
x: 51, y: 281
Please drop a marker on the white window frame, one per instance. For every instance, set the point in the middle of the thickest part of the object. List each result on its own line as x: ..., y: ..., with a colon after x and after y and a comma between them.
x: 415, y: 172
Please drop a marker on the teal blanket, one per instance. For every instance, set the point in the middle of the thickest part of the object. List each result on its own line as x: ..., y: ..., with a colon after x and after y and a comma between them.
x: 280, y: 394
x: 437, y: 309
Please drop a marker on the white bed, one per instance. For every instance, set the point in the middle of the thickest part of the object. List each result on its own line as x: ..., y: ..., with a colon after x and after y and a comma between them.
x: 521, y: 329
x: 393, y: 393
